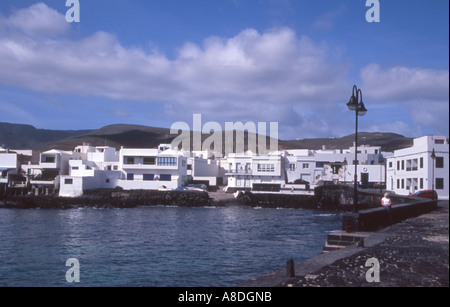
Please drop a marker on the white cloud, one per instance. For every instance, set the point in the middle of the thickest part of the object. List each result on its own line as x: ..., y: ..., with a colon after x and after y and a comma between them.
x: 271, y: 76
x: 405, y: 83
x: 420, y: 92
x: 36, y: 21
x: 252, y: 76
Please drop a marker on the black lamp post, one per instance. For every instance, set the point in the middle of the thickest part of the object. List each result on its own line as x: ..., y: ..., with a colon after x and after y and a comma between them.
x: 433, y: 157
x: 356, y: 104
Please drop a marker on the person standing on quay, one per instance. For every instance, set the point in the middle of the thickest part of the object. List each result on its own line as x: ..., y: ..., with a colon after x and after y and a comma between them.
x: 386, y: 202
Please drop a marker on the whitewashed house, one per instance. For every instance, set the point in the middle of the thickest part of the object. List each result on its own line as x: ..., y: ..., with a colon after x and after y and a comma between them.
x: 9, y: 165
x: 96, y: 168
x: 256, y: 172
x: 335, y: 165
x: 152, y: 169
x: 52, y: 165
x: 412, y: 169
x: 301, y: 169
x: 202, y: 170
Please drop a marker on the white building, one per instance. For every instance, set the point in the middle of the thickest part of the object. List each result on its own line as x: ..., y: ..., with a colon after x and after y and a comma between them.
x: 256, y: 172
x: 412, y: 169
x: 96, y: 168
x: 304, y: 168
x: 335, y: 165
x: 9, y: 165
x: 201, y: 170
x: 52, y: 165
x: 152, y: 169
x: 130, y: 169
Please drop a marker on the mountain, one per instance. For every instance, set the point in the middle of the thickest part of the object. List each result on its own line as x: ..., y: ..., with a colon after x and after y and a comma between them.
x: 18, y: 136
x: 388, y: 142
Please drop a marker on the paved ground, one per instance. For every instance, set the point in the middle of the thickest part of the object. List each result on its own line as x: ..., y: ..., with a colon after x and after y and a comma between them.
x: 412, y: 253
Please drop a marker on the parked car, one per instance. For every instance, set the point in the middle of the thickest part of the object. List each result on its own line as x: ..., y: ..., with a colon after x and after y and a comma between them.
x: 426, y: 194
x: 197, y: 187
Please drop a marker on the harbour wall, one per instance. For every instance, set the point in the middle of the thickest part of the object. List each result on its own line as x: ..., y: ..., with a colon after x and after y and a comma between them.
x: 377, y: 218
x: 329, y: 198
x: 108, y: 199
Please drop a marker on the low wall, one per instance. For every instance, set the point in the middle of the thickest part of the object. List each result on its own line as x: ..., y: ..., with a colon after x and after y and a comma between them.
x: 340, y: 197
x: 377, y: 218
x: 109, y: 199
x: 268, y: 200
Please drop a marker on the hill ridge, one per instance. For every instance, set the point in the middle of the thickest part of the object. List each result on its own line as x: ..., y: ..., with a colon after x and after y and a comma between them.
x: 21, y: 136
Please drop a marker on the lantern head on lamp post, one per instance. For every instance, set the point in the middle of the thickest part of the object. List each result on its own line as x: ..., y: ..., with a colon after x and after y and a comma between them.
x: 356, y: 104
x: 433, y: 157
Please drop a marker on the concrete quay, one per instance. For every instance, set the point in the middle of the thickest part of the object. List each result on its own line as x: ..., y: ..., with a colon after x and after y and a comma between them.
x: 412, y: 253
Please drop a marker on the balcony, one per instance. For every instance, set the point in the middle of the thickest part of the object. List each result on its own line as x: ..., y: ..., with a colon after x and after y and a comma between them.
x: 48, y: 177
x: 239, y: 172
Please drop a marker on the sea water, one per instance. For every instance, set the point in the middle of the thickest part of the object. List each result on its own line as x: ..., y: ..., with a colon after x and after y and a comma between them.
x: 156, y: 246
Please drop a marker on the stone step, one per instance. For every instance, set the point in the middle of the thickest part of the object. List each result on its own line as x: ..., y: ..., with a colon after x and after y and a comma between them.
x: 339, y: 240
x: 329, y: 248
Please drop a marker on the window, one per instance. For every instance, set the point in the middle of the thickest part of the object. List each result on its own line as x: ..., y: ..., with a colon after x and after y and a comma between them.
x: 421, y: 183
x: 48, y: 159
x: 115, y: 167
x: 107, y: 180
x: 75, y: 168
x: 403, y: 165
x: 166, y: 161
x: 128, y: 160
x: 165, y: 177
x: 336, y: 169
x: 292, y: 167
x: 441, y: 141
x: 390, y: 164
x: 319, y: 164
x: 149, y: 177
x: 189, y: 167
x: 421, y: 162
x: 398, y: 165
x: 68, y: 181
x: 130, y: 177
x: 414, y: 164
x: 266, y: 168
x: 305, y: 165
x: 439, y: 183
x: 149, y: 161
x: 398, y: 183
x: 403, y: 183
x: 439, y: 162
x: 411, y: 165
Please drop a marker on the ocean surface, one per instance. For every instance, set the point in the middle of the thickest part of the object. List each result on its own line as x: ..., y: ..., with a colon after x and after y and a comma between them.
x: 156, y: 246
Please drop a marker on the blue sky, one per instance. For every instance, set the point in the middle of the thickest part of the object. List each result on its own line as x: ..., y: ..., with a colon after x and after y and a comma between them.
x: 288, y: 61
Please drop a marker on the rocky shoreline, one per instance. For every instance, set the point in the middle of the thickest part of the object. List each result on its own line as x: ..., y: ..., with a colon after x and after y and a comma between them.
x: 327, y: 198
x: 109, y: 200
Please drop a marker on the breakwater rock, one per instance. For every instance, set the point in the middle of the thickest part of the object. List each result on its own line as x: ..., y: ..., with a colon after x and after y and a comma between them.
x: 267, y: 200
x: 110, y: 199
x: 329, y: 198
x: 340, y: 197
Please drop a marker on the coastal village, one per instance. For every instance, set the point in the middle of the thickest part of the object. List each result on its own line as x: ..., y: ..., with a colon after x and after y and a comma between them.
x: 423, y: 166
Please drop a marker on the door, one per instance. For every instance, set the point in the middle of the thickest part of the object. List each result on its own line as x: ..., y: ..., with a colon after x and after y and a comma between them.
x: 364, y: 178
